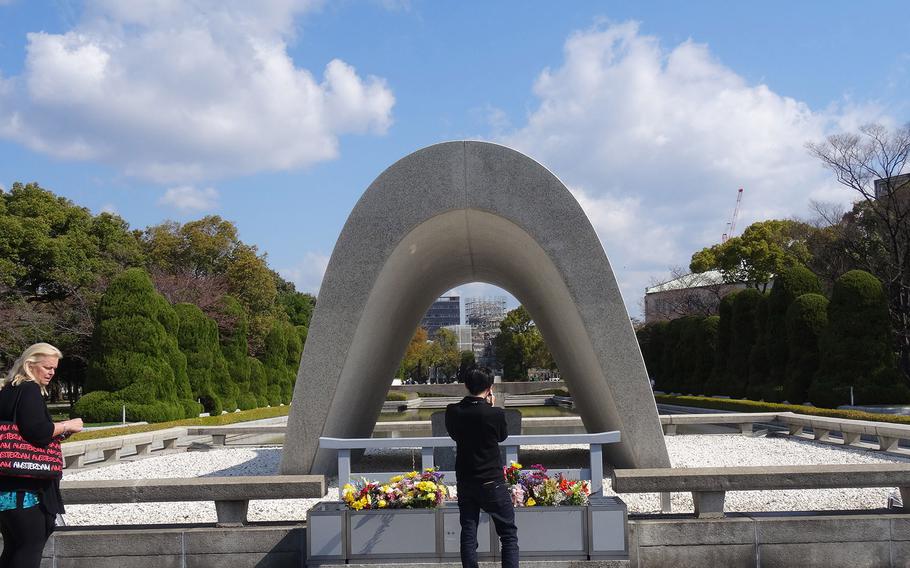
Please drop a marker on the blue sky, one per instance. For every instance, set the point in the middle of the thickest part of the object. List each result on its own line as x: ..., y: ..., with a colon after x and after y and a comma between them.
x: 277, y: 115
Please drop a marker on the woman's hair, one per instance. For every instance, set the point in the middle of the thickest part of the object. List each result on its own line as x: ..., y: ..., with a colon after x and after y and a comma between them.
x: 20, y: 371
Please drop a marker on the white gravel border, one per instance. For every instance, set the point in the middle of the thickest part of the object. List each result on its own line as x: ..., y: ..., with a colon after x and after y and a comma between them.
x: 715, y: 450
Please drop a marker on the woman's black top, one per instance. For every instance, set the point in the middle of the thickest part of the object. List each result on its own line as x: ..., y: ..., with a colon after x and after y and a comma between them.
x: 36, y: 426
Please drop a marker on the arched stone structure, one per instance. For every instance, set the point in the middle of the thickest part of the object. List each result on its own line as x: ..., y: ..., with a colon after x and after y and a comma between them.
x: 446, y: 215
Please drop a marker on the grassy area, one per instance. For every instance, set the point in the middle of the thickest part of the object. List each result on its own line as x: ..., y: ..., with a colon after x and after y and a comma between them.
x: 743, y: 405
x: 223, y: 420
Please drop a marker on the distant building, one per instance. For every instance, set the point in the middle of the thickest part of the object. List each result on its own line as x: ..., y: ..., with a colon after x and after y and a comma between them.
x: 484, y: 316
x: 900, y: 182
x: 464, y: 335
x: 691, y: 294
x: 444, y: 311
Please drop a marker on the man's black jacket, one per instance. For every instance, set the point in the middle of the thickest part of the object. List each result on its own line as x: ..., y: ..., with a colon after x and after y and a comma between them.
x: 477, y: 427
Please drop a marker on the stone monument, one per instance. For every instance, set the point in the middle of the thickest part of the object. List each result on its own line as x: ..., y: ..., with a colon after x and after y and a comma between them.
x: 446, y: 215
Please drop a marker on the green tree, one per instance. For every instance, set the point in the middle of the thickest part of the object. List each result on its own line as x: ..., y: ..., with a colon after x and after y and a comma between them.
x: 760, y: 386
x: 744, y: 334
x: 789, y: 284
x: 705, y: 354
x: 55, y: 261
x: 414, y: 362
x: 872, y: 163
x: 444, y: 354
x: 651, y: 342
x: 857, y: 348
x: 137, y: 361
x: 198, y: 340
x: 520, y: 346
x: 281, y: 359
x: 764, y: 249
x: 720, y: 373
x: 467, y: 362
x: 807, y: 318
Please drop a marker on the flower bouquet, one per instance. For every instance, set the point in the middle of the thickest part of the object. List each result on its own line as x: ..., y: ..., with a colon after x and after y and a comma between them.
x: 534, y: 487
x: 412, y: 490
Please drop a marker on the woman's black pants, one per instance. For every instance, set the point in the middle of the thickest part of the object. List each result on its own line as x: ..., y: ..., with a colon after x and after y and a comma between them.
x: 25, y: 531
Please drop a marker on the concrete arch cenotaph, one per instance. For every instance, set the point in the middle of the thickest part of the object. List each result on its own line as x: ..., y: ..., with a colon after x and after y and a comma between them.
x: 446, y: 215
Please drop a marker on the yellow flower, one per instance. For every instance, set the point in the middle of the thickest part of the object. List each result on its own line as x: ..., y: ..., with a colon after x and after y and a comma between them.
x: 426, y: 486
x: 530, y: 502
x: 348, y: 488
x: 382, y: 503
x: 385, y: 488
x: 516, y: 464
x: 396, y: 479
x: 412, y: 474
x: 358, y: 504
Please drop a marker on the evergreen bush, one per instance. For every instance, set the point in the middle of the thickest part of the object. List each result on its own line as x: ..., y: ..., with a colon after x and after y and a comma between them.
x: 744, y: 334
x: 857, y: 347
x: 198, y: 339
x: 233, y: 332
x: 259, y: 382
x: 759, y: 386
x: 136, y: 356
x: 807, y: 317
x: 789, y: 284
x: 717, y: 382
x: 705, y: 353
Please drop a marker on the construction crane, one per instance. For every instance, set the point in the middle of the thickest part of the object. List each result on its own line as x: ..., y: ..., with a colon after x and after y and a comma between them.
x: 731, y: 226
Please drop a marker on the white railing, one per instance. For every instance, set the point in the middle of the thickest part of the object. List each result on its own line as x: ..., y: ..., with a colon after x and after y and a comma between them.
x: 511, y: 444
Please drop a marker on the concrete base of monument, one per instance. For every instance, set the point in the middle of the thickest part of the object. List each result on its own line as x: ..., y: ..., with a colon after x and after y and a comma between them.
x: 867, y: 538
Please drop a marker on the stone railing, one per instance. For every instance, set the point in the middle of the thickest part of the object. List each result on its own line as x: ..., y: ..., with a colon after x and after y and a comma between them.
x: 709, y: 485
x: 111, y: 449
x: 231, y: 495
x: 219, y: 434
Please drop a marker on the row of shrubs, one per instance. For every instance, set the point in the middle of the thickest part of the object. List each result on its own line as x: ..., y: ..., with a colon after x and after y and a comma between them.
x: 164, y: 362
x: 792, y: 344
x: 220, y: 420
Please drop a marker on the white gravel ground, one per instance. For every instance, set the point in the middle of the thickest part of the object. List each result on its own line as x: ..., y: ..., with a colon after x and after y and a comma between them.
x: 685, y: 451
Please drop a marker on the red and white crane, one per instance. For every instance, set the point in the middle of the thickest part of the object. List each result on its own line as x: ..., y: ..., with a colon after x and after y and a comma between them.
x: 731, y: 226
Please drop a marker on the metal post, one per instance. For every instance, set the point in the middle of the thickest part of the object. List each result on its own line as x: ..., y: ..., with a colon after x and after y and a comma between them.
x: 511, y: 454
x: 597, y: 469
x: 344, y: 467
x: 426, y: 458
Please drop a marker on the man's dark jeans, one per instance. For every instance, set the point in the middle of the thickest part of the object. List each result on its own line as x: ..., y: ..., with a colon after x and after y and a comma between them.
x: 493, y: 498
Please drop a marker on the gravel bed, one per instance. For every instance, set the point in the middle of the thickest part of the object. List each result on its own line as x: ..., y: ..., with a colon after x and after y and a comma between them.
x: 685, y: 451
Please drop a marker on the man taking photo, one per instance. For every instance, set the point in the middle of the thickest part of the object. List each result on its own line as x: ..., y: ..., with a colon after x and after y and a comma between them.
x: 477, y: 428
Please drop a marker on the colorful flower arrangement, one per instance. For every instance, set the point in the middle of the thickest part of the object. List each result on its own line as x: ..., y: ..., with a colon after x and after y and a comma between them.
x: 412, y: 490
x: 534, y: 487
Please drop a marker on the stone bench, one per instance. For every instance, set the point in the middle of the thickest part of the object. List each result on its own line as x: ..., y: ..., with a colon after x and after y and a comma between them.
x: 74, y: 453
x: 709, y: 484
x: 219, y: 434
x: 231, y: 495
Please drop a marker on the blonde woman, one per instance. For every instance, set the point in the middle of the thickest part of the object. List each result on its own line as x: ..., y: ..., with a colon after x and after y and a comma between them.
x: 28, y: 506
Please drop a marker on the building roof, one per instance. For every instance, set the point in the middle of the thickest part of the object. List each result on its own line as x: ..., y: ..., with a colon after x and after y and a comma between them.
x: 691, y: 280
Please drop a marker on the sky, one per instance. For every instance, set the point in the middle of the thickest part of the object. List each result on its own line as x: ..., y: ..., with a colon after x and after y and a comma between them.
x: 277, y: 114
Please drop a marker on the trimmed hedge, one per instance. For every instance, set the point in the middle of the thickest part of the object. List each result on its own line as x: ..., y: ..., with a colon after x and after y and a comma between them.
x: 221, y: 420
x: 400, y: 395
x: 807, y: 317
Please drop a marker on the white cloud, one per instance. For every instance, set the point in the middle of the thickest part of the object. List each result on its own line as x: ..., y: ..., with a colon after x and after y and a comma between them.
x: 655, y: 142
x: 188, y: 198
x: 307, y: 275
x: 185, y: 91
x: 109, y: 208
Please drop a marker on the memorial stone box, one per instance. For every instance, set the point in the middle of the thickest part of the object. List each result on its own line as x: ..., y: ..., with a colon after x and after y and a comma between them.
x: 337, y: 535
